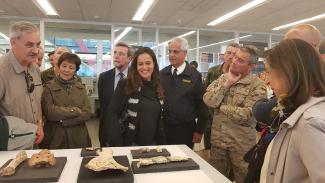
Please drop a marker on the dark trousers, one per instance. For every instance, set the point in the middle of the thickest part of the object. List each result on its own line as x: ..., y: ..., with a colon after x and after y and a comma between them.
x: 180, y: 134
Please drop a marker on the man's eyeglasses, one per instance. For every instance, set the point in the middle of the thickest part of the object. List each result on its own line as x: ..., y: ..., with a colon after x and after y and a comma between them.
x: 238, y: 60
x: 29, y: 82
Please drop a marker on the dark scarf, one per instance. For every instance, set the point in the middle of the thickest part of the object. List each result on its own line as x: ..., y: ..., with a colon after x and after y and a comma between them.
x: 130, y: 112
x: 66, y: 84
x: 255, y: 156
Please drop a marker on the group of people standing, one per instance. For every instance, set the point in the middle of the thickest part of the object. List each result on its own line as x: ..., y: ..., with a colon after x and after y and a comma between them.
x: 143, y: 105
x: 151, y: 107
x: 148, y: 107
x: 45, y: 110
x: 290, y: 123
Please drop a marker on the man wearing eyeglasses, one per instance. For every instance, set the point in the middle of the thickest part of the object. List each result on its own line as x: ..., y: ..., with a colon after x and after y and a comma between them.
x: 108, y: 80
x: 214, y: 73
x: 232, y: 97
x: 185, y: 114
x: 21, y: 86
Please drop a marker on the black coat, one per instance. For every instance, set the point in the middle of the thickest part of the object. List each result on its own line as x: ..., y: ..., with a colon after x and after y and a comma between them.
x: 184, y: 98
x: 105, y: 93
x: 113, y: 134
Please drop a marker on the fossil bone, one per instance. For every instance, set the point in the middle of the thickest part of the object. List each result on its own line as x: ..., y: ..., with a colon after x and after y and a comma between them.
x: 105, y: 161
x: 159, y: 160
x: 42, y: 159
x: 143, y: 150
x: 10, y: 169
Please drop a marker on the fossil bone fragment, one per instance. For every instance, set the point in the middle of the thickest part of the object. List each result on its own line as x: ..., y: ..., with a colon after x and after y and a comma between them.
x: 10, y: 169
x: 159, y: 160
x: 105, y: 161
x: 42, y: 159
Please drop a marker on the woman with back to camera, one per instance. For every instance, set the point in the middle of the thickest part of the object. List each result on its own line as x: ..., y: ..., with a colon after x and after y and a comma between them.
x: 66, y: 107
x: 296, y: 74
x: 134, y: 114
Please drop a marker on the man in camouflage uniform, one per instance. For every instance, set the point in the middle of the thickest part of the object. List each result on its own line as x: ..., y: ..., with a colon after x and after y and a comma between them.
x: 214, y: 73
x: 232, y: 97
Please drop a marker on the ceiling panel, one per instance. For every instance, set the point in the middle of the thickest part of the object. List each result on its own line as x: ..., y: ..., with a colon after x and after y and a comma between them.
x: 179, y: 13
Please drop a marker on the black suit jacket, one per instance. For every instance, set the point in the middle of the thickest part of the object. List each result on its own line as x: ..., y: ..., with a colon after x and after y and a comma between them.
x: 184, y: 98
x: 105, y: 93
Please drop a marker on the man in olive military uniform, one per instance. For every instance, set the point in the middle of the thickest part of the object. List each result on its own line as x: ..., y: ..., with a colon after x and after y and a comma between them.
x: 214, y: 73
x: 232, y: 97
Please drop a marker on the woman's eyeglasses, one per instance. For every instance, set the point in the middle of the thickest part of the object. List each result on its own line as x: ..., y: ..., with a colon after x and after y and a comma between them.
x: 29, y: 82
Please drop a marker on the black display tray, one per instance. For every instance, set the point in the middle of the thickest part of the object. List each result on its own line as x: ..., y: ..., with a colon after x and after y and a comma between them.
x: 25, y: 174
x: 190, y: 164
x: 152, y: 153
x: 112, y: 176
x: 85, y: 153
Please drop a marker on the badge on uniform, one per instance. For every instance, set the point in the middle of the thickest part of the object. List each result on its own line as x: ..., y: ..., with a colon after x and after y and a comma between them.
x: 186, y: 81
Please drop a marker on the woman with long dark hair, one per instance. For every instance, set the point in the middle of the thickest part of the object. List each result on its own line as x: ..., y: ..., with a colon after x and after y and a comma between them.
x: 134, y: 114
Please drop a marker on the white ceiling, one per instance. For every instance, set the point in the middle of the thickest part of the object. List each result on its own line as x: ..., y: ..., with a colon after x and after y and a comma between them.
x: 180, y: 13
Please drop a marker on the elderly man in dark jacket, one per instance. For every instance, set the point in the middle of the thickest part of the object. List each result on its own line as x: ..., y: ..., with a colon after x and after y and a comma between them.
x: 185, y: 114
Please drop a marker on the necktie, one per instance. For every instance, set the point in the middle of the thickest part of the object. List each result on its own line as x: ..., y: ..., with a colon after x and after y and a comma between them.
x: 175, y: 73
x: 121, y: 76
x: 174, y: 76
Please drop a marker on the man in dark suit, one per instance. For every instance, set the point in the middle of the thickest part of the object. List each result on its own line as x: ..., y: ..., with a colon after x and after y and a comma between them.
x: 108, y: 80
x: 185, y: 114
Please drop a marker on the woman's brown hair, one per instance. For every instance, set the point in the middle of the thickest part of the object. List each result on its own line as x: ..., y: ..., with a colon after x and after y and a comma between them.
x: 71, y: 58
x: 302, y: 66
x: 134, y: 80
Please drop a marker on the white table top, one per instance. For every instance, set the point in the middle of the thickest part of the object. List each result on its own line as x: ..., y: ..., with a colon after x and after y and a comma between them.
x: 206, y: 174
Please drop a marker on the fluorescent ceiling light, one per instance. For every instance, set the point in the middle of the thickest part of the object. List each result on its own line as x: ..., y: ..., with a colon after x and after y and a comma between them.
x: 221, y: 42
x: 126, y: 30
x: 46, y: 7
x: 317, y: 17
x: 232, y: 14
x: 186, y: 34
x: 183, y: 35
x: 143, y: 10
x: 116, y: 30
x: 4, y: 36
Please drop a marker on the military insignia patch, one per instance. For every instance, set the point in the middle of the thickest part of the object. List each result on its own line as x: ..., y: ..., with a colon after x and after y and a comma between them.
x: 186, y: 81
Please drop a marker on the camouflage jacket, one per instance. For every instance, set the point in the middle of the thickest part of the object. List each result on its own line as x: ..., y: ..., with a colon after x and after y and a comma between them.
x: 236, y: 103
x: 213, y: 74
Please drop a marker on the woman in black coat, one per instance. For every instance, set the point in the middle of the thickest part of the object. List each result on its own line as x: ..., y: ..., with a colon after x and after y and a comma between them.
x: 134, y: 114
